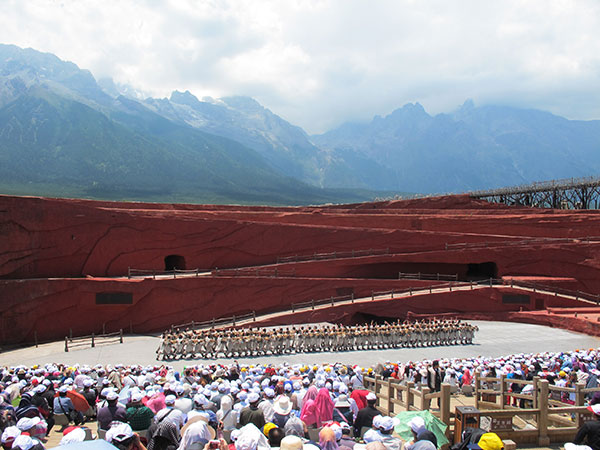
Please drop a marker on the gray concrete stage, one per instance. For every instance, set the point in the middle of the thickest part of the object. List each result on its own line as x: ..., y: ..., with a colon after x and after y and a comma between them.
x: 493, y: 339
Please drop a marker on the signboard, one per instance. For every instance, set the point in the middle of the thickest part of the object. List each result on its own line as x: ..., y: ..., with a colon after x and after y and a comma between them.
x: 114, y: 298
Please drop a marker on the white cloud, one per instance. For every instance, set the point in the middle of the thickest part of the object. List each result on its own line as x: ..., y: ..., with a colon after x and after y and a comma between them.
x: 319, y: 63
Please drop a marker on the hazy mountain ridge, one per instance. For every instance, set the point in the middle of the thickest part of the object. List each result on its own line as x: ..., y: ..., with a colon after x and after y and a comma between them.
x: 61, y: 132
x: 471, y: 148
x: 235, y: 148
x: 284, y: 146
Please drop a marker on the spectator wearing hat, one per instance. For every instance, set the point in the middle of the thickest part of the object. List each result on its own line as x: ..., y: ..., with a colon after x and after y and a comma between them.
x: 25, y: 442
x: 291, y: 442
x: 112, y: 411
x: 420, y: 434
x: 9, y: 435
x: 42, y: 405
x: 122, y: 437
x: 72, y: 435
x: 182, y: 403
x: 64, y: 405
x: 202, y: 406
x: 34, y: 427
x: 89, y: 393
x: 227, y: 415
x: 488, y: 441
x: 346, y: 439
x: 139, y: 416
x: 252, y: 414
x: 170, y: 414
x: 589, y: 432
x: 282, y: 409
x: 386, y: 428
x: 365, y: 416
x: 267, y: 404
x: 342, y: 411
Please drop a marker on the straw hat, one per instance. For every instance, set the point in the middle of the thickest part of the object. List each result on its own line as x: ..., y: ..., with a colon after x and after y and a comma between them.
x: 282, y: 405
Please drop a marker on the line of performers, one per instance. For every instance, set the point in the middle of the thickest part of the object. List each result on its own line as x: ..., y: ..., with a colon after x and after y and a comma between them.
x: 246, y: 342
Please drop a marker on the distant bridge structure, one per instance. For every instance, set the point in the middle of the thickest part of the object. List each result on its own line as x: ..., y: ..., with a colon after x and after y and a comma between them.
x: 570, y: 193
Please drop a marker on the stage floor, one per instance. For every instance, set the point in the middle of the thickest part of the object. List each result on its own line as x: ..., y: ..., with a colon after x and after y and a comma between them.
x: 493, y: 339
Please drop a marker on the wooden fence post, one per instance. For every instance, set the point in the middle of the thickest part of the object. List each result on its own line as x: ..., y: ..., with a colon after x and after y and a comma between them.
x: 543, y: 438
x: 579, y: 395
x: 477, y: 395
x: 536, y: 381
x: 93, y: 343
x: 425, y: 402
x: 66, y: 344
x: 121, y: 335
x: 375, y: 388
x: 502, y: 391
x: 410, y: 398
x: 390, y: 404
x: 445, y: 404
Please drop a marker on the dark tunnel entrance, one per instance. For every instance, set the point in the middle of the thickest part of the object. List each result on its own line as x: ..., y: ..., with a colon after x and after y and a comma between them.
x: 482, y: 271
x: 173, y: 262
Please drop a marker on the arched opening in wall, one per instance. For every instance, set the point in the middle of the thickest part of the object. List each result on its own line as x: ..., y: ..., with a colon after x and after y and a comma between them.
x: 174, y: 262
x: 482, y: 271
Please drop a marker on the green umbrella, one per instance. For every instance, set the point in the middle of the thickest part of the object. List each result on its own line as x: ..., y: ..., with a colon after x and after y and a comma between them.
x: 432, y: 423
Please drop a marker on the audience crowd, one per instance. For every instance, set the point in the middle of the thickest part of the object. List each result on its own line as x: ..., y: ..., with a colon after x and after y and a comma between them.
x: 247, y: 407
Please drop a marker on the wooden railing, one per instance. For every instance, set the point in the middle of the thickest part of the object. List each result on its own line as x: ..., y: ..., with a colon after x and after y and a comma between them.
x: 543, y: 419
x: 394, y: 396
x: 72, y: 343
x: 548, y: 417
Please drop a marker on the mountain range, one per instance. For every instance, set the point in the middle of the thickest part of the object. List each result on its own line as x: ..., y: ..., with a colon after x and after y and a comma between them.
x: 63, y: 133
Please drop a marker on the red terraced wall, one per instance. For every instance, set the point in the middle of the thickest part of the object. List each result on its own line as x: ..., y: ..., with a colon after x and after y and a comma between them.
x: 47, y: 242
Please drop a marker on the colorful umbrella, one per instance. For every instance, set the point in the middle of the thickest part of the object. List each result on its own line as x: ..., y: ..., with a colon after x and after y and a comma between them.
x: 432, y: 423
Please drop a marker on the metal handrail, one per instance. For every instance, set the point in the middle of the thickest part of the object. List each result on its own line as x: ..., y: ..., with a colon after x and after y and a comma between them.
x: 541, y: 240
x: 539, y: 186
x: 333, y: 255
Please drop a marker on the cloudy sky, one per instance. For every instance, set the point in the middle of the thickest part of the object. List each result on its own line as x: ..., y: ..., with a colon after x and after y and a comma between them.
x: 319, y: 63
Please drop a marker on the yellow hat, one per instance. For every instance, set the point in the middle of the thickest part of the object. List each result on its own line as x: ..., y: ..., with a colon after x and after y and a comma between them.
x: 488, y: 441
x: 268, y: 427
